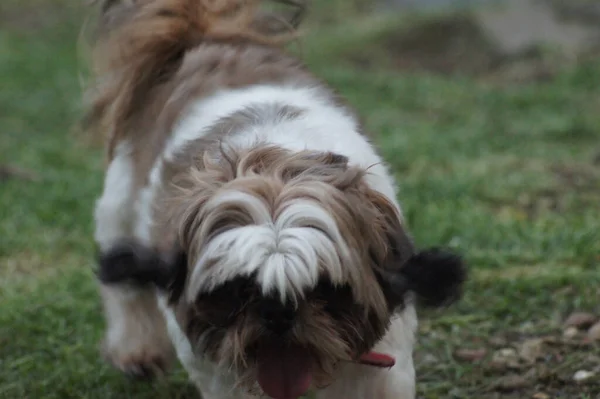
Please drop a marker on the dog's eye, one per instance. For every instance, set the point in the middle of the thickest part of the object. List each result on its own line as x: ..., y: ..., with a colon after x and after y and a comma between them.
x: 241, y: 289
x: 222, y: 306
x: 336, y: 300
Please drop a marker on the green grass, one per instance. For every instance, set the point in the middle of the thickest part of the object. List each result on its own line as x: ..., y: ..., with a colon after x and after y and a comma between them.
x: 503, y: 173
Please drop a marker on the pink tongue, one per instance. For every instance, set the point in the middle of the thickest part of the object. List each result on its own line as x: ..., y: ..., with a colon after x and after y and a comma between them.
x: 284, y: 372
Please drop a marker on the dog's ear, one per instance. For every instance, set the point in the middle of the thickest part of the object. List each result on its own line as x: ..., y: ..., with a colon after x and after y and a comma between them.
x: 435, y: 275
x: 134, y: 263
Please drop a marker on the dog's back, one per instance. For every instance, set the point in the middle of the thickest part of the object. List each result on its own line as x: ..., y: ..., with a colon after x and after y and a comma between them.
x: 152, y: 57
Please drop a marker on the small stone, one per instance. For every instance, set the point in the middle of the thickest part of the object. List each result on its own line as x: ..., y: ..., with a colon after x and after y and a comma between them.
x: 596, y: 159
x: 570, y: 332
x: 540, y: 395
x: 527, y: 327
x: 470, y: 355
x: 506, y: 358
x: 498, y: 341
x: 496, y: 366
x: 594, y: 332
x: 531, y: 350
x: 580, y: 320
x: 505, y: 354
x: 583, y: 375
x: 430, y: 359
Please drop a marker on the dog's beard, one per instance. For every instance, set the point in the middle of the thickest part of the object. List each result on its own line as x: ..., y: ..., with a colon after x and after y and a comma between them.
x: 250, y: 335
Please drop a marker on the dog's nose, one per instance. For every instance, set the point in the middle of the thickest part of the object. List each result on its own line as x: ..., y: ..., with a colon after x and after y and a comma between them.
x: 276, y: 316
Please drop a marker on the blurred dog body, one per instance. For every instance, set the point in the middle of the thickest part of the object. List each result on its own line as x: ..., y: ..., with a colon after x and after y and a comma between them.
x: 246, y: 223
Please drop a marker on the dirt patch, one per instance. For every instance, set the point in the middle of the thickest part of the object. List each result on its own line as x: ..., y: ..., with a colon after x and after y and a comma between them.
x: 579, y: 11
x: 32, y: 16
x: 522, y: 41
x: 446, y: 45
x: 549, y: 364
x: 558, y: 362
x: 573, y: 186
x: 576, y: 186
x: 10, y: 172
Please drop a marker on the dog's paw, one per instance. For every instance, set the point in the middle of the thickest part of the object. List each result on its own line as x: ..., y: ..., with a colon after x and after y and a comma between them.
x: 140, y: 362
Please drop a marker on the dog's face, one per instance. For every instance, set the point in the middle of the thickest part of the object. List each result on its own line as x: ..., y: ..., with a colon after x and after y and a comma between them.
x: 292, y: 266
x: 285, y: 257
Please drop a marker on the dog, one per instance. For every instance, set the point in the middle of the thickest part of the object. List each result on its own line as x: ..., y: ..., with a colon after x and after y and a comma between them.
x: 247, y: 226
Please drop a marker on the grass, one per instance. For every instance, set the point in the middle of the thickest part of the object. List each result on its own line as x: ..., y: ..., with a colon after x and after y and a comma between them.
x: 506, y: 174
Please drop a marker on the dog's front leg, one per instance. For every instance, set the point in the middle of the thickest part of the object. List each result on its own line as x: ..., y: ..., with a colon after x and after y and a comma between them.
x: 136, y: 340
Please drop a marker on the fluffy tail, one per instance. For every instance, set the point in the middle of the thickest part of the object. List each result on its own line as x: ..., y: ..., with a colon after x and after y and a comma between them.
x: 140, y: 43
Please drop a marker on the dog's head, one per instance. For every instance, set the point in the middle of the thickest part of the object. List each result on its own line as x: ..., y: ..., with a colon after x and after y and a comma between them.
x: 289, y: 265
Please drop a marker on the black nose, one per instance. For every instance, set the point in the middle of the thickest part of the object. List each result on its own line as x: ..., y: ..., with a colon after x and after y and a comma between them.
x: 276, y: 316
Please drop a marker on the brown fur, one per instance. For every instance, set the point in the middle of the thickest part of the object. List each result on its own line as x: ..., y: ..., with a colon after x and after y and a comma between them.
x: 143, y: 44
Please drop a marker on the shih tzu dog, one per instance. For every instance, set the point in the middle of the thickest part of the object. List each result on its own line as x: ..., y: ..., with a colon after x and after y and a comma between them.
x: 247, y: 225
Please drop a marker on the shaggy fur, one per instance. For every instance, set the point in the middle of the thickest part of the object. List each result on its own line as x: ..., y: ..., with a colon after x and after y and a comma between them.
x: 246, y: 221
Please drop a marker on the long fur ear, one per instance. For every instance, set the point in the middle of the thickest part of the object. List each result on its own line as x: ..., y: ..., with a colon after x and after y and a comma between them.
x: 435, y: 275
x: 134, y: 263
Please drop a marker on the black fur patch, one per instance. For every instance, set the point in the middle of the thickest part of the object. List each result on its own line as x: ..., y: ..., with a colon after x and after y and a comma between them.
x: 137, y: 264
x: 436, y: 276
x: 356, y: 325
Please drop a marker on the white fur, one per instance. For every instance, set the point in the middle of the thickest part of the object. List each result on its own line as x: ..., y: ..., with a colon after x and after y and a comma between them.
x: 114, y: 210
x: 270, y: 245
x: 286, y: 254
x: 324, y: 127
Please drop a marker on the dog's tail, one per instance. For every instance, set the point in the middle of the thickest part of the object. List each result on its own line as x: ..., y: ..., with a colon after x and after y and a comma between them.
x: 140, y: 43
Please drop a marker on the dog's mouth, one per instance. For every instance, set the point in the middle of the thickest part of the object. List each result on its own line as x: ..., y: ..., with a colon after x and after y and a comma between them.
x: 284, y: 371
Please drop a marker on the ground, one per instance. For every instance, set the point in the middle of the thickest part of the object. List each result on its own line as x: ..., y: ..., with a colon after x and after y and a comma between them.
x: 506, y: 172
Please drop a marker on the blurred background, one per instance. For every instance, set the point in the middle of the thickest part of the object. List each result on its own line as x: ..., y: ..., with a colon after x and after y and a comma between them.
x: 488, y: 111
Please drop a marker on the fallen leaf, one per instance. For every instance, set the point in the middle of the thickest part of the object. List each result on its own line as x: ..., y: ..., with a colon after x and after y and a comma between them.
x: 551, y: 340
x: 470, y: 355
x: 594, y: 332
x: 511, y: 383
x: 12, y: 172
x: 580, y: 320
x: 540, y: 395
